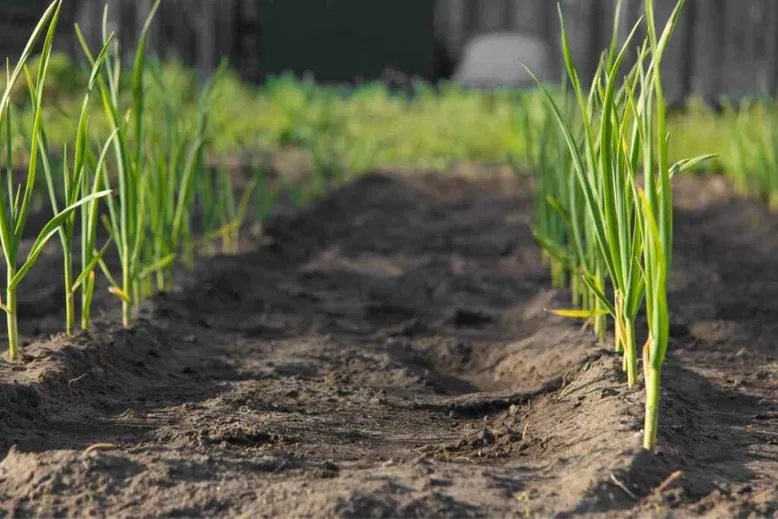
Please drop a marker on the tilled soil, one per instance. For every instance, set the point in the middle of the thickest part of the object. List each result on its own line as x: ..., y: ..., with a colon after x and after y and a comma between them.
x: 387, y: 353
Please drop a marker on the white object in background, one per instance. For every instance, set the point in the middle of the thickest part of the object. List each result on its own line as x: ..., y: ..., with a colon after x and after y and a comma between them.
x: 497, y: 59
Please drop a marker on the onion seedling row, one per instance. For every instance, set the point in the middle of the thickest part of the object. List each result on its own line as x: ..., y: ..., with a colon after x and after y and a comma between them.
x: 141, y: 187
x: 609, y: 227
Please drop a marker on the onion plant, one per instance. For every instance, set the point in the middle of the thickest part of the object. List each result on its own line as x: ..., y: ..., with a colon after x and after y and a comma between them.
x: 89, y: 220
x: 656, y: 203
x: 265, y: 195
x: 222, y: 214
x: 15, y: 199
x: 236, y: 214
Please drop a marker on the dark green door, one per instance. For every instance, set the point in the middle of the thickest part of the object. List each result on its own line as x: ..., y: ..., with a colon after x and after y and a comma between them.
x: 342, y: 40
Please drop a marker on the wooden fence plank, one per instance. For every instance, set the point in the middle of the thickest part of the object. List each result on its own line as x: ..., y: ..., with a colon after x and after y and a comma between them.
x: 771, y: 44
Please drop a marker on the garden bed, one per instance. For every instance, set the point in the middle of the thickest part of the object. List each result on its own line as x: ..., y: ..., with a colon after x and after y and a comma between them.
x: 386, y: 352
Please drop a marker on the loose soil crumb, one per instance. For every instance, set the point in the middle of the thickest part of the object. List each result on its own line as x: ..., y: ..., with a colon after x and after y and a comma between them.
x: 387, y: 353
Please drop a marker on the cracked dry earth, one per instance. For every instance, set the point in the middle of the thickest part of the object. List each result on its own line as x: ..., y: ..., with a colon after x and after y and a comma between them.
x: 387, y: 353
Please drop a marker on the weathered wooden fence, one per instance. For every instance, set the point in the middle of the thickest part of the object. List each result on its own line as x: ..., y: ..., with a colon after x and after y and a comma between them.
x: 199, y: 32
x: 722, y: 47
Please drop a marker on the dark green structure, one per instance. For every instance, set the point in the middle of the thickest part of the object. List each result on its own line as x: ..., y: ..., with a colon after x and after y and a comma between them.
x: 335, y: 40
x: 17, y: 19
x: 345, y: 40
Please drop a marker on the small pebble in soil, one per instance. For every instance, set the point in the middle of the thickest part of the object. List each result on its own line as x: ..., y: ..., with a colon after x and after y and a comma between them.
x: 485, y: 437
x: 328, y: 470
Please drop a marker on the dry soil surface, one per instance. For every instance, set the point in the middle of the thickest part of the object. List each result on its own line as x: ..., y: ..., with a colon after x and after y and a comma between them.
x: 387, y: 352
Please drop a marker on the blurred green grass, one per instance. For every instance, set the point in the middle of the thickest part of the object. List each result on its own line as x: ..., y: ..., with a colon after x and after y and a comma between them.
x: 366, y: 127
